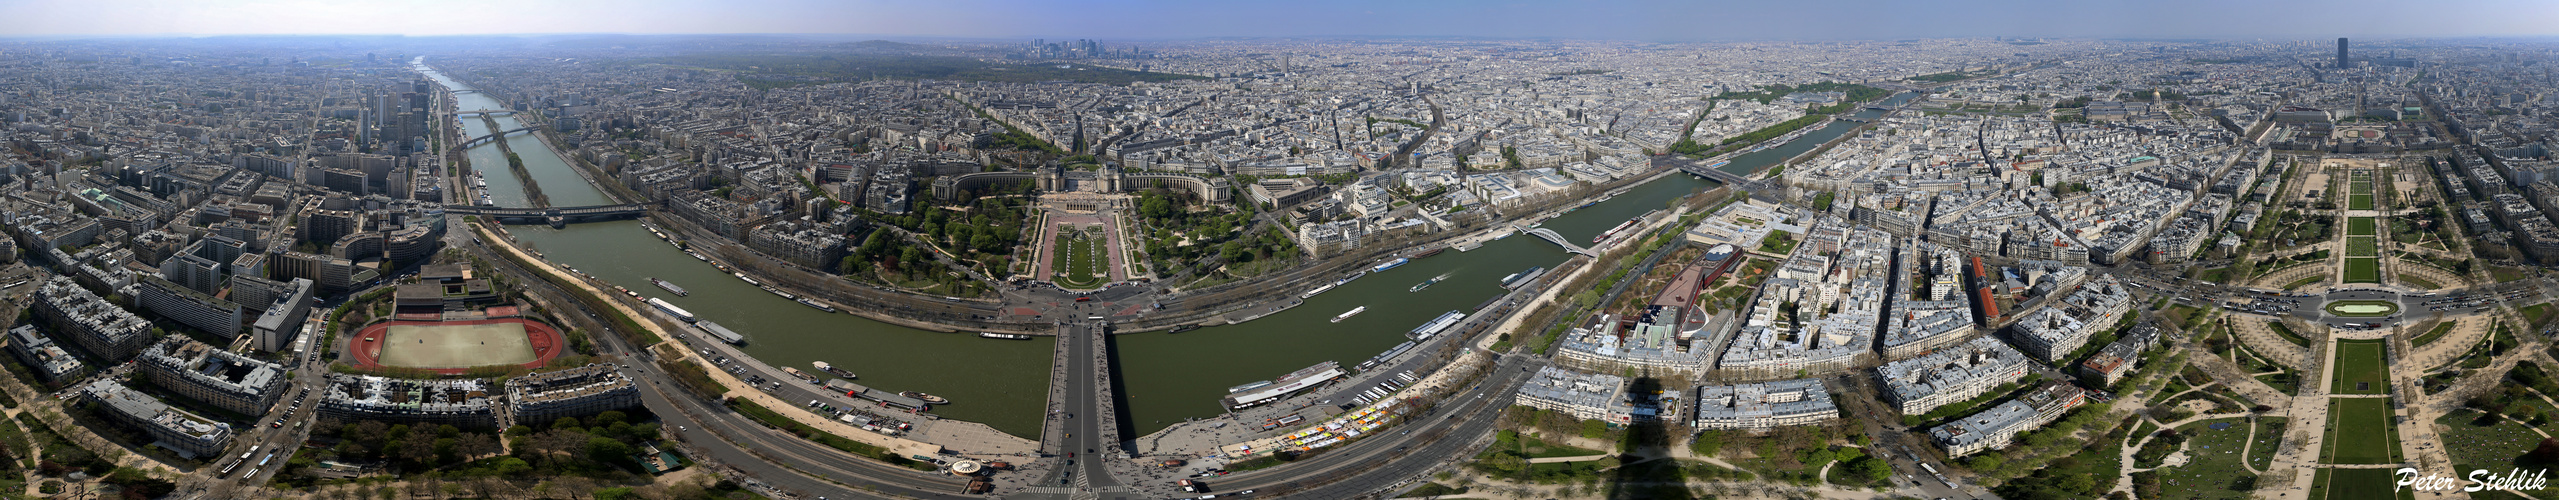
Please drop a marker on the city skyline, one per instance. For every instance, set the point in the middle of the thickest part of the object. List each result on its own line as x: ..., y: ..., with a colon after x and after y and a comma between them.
x: 1644, y: 20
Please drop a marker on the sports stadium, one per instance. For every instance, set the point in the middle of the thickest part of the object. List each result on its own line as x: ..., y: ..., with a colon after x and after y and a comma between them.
x: 455, y: 346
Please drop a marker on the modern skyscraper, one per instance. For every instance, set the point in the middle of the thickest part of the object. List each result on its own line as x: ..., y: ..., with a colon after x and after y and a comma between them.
x: 2341, y: 52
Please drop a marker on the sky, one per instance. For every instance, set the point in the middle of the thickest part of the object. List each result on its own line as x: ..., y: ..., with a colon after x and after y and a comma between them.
x: 1657, y: 20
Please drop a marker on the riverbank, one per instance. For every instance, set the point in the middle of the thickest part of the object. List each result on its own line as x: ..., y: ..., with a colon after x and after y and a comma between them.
x: 966, y: 438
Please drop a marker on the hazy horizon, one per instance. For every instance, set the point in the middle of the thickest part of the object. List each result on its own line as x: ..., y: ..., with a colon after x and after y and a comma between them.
x: 1643, y: 20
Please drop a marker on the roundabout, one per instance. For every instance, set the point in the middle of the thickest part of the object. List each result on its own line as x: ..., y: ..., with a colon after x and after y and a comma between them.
x: 2361, y: 308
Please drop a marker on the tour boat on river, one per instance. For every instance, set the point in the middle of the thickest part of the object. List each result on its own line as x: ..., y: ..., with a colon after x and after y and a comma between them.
x: 1353, y: 312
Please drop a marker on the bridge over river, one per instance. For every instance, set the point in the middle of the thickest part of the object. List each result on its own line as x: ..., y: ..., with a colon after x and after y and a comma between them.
x: 475, y: 141
x: 1083, y: 424
x: 555, y: 216
x: 1558, y: 239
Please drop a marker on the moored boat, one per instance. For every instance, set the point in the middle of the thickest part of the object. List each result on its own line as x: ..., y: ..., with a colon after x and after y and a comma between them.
x: 670, y: 286
x: 671, y: 310
x: 1614, y: 230
x: 928, y: 398
x: 725, y: 334
x: 1003, y: 336
x: 840, y: 372
x: 811, y: 303
x: 1523, y: 277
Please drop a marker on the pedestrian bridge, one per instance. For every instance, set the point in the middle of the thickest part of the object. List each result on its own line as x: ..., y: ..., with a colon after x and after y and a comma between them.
x: 475, y: 141
x: 1558, y: 239
x: 555, y: 216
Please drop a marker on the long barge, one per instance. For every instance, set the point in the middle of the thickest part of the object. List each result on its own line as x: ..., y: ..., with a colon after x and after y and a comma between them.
x: 1612, y: 232
x: 1347, y: 315
x: 1437, y: 325
x: 670, y: 287
x: 670, y: 309
x: 1318, y: 291
x: 1514, y: 281
x: 722, y: 332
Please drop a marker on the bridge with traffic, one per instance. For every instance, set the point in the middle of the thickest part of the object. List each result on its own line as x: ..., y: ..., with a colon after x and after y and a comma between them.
x: 555, y: 216
x: 1083, y: 425
x: 475, y: 141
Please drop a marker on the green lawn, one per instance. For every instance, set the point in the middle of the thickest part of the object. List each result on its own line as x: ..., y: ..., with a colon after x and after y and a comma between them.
x: 2505, y: 274
x: 2496, y: 445
x: 2361, y: 308
x: 2359, y: 202
x: 2360, y: 431
x: 2362, y: 246
x: 2270, y: 433
x: 2286, y: 332
x: 1079, y: 259
x: 2363, y: 270
x: 2534, y: 313
x: 2359, y: 226
x: 2360, y: 362
x: 2359, y: 484
x: 2215, y: 469
x: 2296, y: 284
x: 2282, y: 382
x: 2433, y: 335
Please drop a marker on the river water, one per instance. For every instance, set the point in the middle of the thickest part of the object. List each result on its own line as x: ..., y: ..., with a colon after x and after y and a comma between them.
x: 1169, y: 377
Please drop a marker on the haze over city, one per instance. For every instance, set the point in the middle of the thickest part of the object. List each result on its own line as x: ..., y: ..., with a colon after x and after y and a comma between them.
x: 1653, y: 20
x: 1169, y: 250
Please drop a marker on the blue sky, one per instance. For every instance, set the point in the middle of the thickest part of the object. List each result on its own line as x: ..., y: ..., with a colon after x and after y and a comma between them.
x: 1138, y: 19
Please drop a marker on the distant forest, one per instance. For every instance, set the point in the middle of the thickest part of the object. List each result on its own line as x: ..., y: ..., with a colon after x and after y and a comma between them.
x: 767, y: 71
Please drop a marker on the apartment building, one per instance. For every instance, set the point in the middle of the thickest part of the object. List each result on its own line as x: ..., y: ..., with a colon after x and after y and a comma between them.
x: 213, y: 376
x: 542, y: 397
x: 1765, y: 405
x: 178, y: 430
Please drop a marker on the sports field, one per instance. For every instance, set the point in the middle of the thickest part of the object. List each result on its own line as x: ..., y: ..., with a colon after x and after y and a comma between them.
x: 452, y: 346
x: 2360, y: 369
x: 2360, y: 431
x: 2363, y: 270
x: 440, y: 346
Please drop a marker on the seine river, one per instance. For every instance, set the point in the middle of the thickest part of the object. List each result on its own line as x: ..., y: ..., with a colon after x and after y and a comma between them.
x: 1169, y: 377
